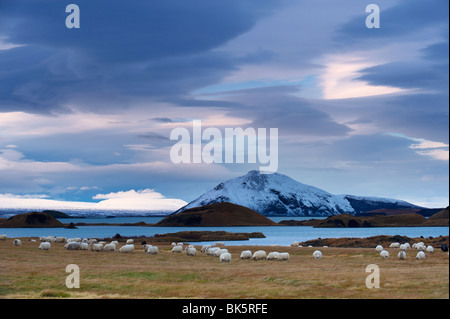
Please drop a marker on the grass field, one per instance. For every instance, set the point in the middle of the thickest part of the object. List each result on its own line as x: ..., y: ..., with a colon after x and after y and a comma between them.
x: 27, y: 272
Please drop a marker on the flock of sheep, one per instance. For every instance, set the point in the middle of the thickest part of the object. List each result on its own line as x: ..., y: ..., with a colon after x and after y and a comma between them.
x: 216, y: 250
x: 421, y: 247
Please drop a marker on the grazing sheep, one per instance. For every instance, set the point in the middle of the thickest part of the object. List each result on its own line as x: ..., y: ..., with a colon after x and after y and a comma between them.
x: 294, y: 244
x: 420, y: 255
x: 204, y: 248
x: 60, y: 239
x: 43, y: 238
x: 225, y: 258
x: 109, y: 247
x: 402, y: 255
x: 51, y: 239
x: 211, y: 251
x: 421, y: 247
x: 246, y: 254
x: 403, y: 247
x: 384, y: 254
x: 191, y: 251
x: 3, y: 237
x: 177, y: 249
x: 96, y: 247
x: 259, y: 255
x: 153, y: 250
x: 272, y: 255
x: 72, y: 245
x: 17, y: 242
x: 220, y: 244
x: 394, y: 245
x: 76, y: 240
x: 407, y: 245
x: 444, y: 248
x: 317, y: 255
x: 283, y: 256
x: 44, y: 246
x: 84, y: 246
x: 219, y: 252
x: 128, y: 248
x: 115, y: 242
x: 379, y: 248
x: 430, y: 249
x: 130, y: 241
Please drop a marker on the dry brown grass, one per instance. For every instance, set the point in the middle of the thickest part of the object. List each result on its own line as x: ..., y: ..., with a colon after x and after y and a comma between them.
x: 26, y: 272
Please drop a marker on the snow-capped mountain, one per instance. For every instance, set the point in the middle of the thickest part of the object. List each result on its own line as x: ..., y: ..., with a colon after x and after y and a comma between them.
x: 279, y: 195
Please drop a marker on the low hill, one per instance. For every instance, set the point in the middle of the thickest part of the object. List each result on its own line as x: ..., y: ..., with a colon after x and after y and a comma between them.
x: 438, y: 219
x: 31, y: 220
x: 217, y: 215
x: 400, y: 220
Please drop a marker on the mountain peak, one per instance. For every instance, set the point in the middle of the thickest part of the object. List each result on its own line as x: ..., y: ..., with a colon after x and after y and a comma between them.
x: 279, y: 195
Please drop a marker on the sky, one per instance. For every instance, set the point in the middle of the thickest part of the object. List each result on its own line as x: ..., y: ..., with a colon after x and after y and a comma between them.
x: 86, y: 113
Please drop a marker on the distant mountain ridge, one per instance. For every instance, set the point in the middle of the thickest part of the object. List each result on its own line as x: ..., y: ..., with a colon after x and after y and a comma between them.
x: 279, y: 195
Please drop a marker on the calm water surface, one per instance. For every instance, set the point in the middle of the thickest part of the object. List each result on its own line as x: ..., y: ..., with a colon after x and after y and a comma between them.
x: 275, y: 235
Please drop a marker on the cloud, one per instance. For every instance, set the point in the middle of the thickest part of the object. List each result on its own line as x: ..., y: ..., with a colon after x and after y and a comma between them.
x: 146, y: 199
x: 143, y: 200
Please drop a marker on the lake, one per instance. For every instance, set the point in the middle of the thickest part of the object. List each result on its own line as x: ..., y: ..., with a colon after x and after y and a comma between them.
x: 275, y: 235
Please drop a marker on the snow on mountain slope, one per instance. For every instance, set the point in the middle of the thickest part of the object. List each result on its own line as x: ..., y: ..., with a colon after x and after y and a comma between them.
x: 279, y: 195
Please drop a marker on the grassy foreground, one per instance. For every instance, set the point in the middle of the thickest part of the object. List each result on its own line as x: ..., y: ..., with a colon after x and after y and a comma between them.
x: 27, y: 272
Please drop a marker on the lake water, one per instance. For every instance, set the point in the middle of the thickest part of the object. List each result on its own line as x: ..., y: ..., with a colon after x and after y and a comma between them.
x: 275, y: 235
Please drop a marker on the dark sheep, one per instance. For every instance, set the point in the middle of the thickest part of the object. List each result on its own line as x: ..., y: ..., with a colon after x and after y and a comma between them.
x: 444, y: 247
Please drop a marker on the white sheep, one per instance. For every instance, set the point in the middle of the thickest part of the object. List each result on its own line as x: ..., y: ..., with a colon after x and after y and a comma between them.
x: 191, y: 251
x: 130, y: 241
x: 272, y: 255
x: 44, y: 246
x: 430, y: 249
x: 246, y: 254
x: 60, y: 239
x: 177, y: 249
x: 317, y: 255
x: 17, y: 242
x: 225, y: 257
x: 153, y: 250
x: 220, y: 252
x: 51, y: 239
x: 3, y: 237
x: 109, y: 247
x: 83, y: 246
x: 420, y: 255
x: 384, y: 254
x: 403, y: 247
x: 407, y: 245
x: 402, y: 255
x: 128, y: 248
x: 394, y: 245
x: 204, y: 248
x: 259, y: 255
x: 379, y: 248
x: 211, y: 251
x: 220, y: 244
x: 173, y: 244
x: 97, y: 247
x: 283, y: 256
x: 115, y: 242
x: 294, y: 244
x: 72, y: 245
x: 76, y: 240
